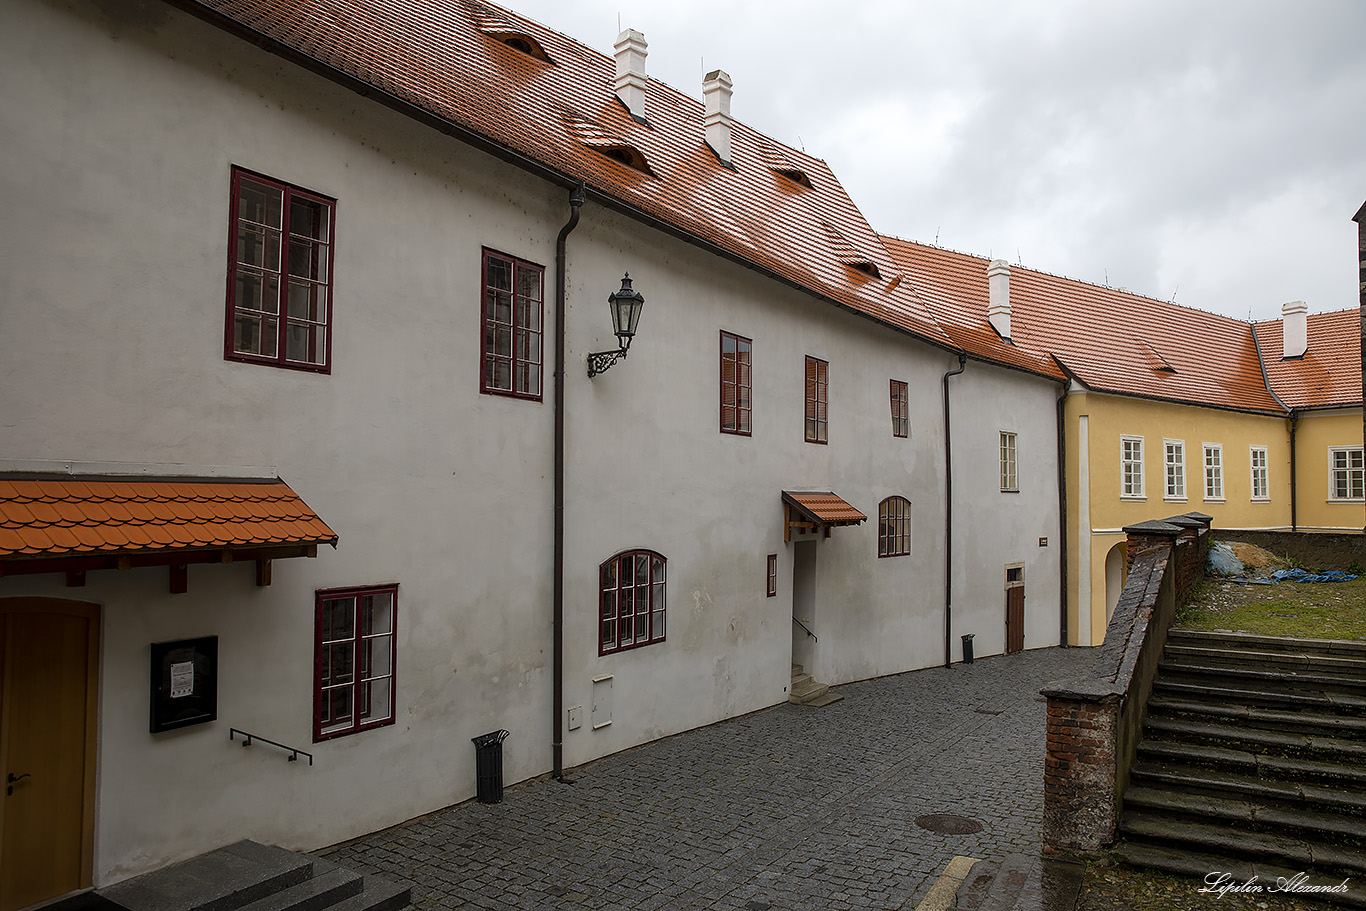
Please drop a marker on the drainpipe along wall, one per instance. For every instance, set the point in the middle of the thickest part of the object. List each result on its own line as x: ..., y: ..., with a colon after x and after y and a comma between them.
x: 1062, y: 514
x: 576, y: 197
x: 948, y: 515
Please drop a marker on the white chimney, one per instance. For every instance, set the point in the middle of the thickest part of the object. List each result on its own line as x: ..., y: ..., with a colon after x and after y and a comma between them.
x: 1294, y: 329
x: 716, y: 90
x: 998, y: 310
x: 630, y: 83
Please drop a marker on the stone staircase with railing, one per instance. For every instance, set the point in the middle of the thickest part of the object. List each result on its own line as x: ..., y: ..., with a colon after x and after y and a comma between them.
x: 1253, y: 763
x: 805, y: 690
x: 248, y: 876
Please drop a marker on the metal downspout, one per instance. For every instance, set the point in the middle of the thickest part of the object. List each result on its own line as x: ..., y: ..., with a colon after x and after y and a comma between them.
x: 1294, y: 417
x: 1062, y: 516
x: 576, y: 197
x: 948, y: 515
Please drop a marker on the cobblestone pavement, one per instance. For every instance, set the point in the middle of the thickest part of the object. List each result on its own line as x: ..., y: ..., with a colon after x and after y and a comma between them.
x: 788, y: 808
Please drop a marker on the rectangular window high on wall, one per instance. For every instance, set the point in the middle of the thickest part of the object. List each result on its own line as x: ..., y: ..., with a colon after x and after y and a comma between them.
x: 512, y: 310
x: 772, y: 581
x: 1010, y: 480
x: 1131, y: 467
x: 736, y: 383
x: 1346, y: 473
x: 901, y: 409
x: 817, y: 388
x: 354, y: 657
x: 1261, y: 486
x: 1214, y: 471
x: 1175, y: 461
x: 280, y: 274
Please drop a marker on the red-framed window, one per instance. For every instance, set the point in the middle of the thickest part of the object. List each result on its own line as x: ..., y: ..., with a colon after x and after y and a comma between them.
x: 772, y: 575
x: 354, y: 660
x: 901, y: 409
x: 736, y: 383
x: 894, y: 527
x: 817, y: 387
x: 280, y: 250
x: 512, y: 312
x: 631, y: 601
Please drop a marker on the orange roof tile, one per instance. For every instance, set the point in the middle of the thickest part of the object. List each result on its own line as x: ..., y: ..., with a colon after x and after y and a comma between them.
x: 1329, y: 373
x: 825, y: 508
x: 1108, y: 339
x: 57, y: 518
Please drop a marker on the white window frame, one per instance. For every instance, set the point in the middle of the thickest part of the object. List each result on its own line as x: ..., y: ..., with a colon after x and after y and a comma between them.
x: 1175, y: 492
x: 1131, y: 468
x: 1353, y: 476
x: 1010, y: 465
x: 1214, y: 472
x: 1261, y: 474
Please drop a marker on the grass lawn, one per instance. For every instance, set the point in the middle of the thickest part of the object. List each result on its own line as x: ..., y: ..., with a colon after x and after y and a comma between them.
x: 1317, y: 610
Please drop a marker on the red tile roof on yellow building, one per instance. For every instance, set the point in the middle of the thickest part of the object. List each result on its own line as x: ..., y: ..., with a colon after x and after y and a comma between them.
x: 89, y: 516
x: 1108, y: 339
x: 1329, y: 372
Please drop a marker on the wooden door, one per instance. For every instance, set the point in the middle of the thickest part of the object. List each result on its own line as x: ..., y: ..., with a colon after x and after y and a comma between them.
x: 47, y: 724
x: 1015, y: 618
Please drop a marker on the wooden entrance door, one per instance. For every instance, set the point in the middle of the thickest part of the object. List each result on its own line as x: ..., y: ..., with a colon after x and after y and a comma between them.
x: 47, y: 728
x: 1015, y: 598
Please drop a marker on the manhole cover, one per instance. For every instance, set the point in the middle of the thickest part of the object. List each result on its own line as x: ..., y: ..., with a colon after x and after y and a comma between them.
x: 948, y: 824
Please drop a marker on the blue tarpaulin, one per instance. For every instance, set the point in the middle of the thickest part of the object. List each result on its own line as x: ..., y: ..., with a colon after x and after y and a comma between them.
x: 1300, y: 575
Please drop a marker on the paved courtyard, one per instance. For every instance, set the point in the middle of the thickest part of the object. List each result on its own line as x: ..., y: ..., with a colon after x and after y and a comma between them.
x: 788, y: 808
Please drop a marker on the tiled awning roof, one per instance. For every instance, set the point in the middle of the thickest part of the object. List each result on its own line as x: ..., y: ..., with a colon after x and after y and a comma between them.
x: 817, y: 511
x: 73, y: 524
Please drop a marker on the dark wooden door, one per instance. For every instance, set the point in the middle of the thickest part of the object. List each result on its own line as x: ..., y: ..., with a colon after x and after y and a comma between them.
x: 1014, y: 618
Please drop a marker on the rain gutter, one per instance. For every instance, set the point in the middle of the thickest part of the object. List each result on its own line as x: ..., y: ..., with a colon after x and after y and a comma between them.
x: 948, y: 514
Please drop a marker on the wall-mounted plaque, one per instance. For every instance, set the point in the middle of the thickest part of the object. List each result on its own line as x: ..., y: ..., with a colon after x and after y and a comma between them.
x: 184, y: 683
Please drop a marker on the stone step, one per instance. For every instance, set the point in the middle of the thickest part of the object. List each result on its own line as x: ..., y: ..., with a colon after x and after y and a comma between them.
x: 1214, y: 732
x: 220, y: 880
x: 1247, y: 657
x: 1338, y: 703
x: 329, y: 885
x: 1295, y: 853
x: 1197, y: 866
x: 1174, y: 755
x: 1339, y: 648
x: 807, y: 691
x: 378, y: 895
x: 1225, y: 783
x: 1261, y: 679
x: 800, y: 680
x: 1262, y: 718
x: 823, y: 700
x: 1334, y: 827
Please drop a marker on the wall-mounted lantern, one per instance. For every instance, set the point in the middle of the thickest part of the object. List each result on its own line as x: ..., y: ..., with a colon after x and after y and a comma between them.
x: 625, y: 305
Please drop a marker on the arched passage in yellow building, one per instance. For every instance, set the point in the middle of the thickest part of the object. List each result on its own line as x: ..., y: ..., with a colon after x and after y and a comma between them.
x: 1114, y: 576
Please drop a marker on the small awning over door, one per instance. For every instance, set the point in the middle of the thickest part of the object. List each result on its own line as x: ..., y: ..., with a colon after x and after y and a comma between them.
x: 74, y: 524
x: 816, y: 511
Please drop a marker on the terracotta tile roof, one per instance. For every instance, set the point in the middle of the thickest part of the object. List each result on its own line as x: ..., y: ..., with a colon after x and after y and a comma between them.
x: 446, y: 59
x: 74, y: 516
x: 1329, y: 373
x: 1108, y: 339
x: 825, y: 508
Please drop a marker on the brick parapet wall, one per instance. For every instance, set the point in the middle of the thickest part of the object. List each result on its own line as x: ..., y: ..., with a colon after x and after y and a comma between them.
x: 1079, y: 805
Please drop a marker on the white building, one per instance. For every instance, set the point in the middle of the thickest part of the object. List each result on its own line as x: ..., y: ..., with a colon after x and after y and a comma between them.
x: 413, y: 165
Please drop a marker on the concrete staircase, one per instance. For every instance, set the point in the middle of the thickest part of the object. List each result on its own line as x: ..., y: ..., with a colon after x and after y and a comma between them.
x: 806, y: 691
x: 247, y: 876
x: 1253, y: 763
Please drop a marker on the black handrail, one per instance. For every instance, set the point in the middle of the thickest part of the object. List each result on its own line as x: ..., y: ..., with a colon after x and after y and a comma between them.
x: 804, y: 626
x: 248, y: 738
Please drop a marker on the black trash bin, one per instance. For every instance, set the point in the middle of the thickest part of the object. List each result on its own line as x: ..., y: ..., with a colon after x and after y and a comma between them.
x: 967, y: 647
x: 488, y: 766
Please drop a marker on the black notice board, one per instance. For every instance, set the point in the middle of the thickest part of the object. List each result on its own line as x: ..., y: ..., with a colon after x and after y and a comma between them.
x: 184, y: 683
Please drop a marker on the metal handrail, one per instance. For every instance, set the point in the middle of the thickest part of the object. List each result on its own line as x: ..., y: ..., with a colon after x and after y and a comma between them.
x: 805, y: 627
x: 294, y: 754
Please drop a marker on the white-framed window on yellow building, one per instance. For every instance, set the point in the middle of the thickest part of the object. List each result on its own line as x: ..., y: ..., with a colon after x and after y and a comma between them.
x: 1131, y: 468
x: 1214, y: 471
x: 1174, y: 460
x: 1261, y: 486
x: 1346, y: 473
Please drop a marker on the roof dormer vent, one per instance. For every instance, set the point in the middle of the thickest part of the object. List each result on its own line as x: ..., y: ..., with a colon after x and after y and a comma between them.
x: 606, y: 144
x: 1294, y: 329
x: 716, y: 90
x: 848, y: 254
x: 779, y: 164
x: 630, y: 81
x: 501, y: 29
x: 998, y: 286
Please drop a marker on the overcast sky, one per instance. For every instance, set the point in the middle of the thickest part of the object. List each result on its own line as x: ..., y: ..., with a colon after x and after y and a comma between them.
x: 1211, y: 151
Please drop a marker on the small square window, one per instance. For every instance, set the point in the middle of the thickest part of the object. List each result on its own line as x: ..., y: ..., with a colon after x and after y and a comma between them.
x: 354, y: 660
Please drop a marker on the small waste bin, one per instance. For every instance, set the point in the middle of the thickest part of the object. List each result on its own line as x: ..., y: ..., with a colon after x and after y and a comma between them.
x: 488, y: 766
x: 967, y: 649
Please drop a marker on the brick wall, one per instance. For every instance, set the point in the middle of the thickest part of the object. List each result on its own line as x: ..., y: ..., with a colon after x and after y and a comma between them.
x: 1079, y: 805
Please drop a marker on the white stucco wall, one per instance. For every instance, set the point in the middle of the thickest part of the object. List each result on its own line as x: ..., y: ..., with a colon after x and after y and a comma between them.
x: 111, y: 336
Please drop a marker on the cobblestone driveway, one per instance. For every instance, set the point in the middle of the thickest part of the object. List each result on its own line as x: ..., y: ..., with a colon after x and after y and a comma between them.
x: 788, y: 808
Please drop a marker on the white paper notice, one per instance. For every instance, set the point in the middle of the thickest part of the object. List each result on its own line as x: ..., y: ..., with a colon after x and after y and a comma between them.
x: 182, y: 679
